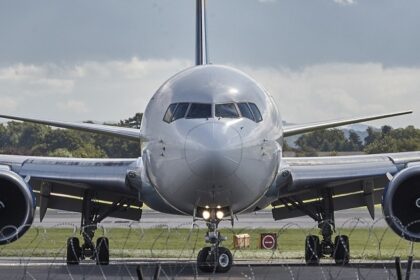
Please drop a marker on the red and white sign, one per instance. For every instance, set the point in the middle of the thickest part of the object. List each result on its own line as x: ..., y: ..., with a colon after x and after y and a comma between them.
x: 268, y: 241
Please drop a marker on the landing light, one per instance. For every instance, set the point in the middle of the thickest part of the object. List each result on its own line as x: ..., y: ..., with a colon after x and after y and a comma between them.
x: 220, y: 215
x: 206, y: 214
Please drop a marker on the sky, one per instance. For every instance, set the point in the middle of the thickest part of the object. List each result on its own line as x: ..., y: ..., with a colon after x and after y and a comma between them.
x: 103, y: 60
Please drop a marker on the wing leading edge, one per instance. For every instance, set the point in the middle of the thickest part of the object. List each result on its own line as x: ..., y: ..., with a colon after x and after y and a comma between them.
x: 121, y: 132
x: 291, y: 130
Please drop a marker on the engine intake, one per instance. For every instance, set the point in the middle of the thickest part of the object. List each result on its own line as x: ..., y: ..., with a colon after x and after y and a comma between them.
x: 401, y: 203
x: 17, y: 206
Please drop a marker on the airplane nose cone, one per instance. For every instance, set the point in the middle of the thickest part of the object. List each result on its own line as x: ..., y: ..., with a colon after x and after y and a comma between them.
x: 213, y: 150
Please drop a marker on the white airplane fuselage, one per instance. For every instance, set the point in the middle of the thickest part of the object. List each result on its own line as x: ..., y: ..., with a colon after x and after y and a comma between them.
x: 211, y: 162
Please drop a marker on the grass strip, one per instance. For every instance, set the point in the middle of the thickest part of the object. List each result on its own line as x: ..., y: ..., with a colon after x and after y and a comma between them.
x: 365, y: 243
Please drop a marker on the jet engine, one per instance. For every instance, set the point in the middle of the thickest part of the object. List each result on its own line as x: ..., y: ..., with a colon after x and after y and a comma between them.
x: 17, y: 206
x: 401, y: 203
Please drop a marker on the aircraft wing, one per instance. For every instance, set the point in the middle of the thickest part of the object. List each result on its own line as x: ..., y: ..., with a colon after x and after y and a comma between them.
x: 354, y: 181
x: 61, y: 183
x: 117, y: 131
x: 290, y: 130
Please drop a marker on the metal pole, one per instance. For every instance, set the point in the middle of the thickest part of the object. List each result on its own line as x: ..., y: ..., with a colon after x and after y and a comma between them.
x: 398, y: 267
x: 409, y: 267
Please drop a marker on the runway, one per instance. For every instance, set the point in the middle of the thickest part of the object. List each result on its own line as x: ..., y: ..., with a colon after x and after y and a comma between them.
x: 261, y: 219
x: 38, y: 269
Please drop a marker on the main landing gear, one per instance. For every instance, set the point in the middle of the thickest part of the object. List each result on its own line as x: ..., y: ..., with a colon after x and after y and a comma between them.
x: 322, y: 212
x: 315, y: 249
x: 91, y: 216
x: 214, y: 258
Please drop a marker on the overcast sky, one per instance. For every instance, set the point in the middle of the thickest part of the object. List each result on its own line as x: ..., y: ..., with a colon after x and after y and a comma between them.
x: 103, y: 60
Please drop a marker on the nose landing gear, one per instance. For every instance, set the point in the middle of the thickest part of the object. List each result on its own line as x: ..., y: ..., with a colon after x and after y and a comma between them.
x: 214, y: 258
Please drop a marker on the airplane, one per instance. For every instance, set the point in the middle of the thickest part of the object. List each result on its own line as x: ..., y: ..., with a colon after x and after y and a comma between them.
x: 211, y: 141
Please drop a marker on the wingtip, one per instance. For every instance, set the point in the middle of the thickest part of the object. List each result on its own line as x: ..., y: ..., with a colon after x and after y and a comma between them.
x: 407, y: 112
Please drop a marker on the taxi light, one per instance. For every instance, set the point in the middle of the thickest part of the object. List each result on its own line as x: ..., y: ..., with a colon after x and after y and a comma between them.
x: 220, y: 215
x: 206, y: 214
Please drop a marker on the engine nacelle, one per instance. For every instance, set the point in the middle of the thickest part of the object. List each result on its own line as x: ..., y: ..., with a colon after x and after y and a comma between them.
x: 401, y: 203
x: 17, y: 206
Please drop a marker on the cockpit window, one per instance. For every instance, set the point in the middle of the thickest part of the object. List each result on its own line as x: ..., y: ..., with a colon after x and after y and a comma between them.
x: 170, y: 113
x: 246, y: 111
x: 226, y: 111
x: 256, y: 112
x: 180, y: 111
x: 177, y: 111
x: 199, y: 111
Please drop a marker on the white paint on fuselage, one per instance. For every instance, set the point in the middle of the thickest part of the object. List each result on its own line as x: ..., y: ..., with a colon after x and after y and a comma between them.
x: 214, y: 162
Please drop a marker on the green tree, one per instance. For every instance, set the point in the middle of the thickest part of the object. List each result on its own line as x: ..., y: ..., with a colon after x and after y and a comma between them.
x: 354, y: 142
x: 394, y: 140
x: 322, y: 140
x: 372, y: 135
x: 133, y: 122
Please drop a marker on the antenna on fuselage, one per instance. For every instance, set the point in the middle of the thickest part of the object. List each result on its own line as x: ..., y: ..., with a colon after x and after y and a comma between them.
x: 201, y: 55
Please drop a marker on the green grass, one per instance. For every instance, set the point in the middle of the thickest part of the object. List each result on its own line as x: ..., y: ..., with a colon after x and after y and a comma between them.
x: 379, y: 243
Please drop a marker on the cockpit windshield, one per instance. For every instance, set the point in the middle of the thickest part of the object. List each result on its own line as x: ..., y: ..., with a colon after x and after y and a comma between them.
x: 226, y: 111
x: 246, y: 111
x: 199, y: 111
x: 256, y: 112
x: 177, y: 111
x: 180, y: 111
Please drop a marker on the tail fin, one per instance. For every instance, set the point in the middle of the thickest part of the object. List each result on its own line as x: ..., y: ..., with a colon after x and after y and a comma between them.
x: 201, y: 55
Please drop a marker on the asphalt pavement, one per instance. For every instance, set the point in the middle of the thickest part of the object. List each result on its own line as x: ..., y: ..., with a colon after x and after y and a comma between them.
x: 38, y: 269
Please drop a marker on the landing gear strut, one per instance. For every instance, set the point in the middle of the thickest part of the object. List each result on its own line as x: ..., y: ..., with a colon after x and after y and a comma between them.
x: 91, y: 216
x: 214, y: 258
x: 315, y: 248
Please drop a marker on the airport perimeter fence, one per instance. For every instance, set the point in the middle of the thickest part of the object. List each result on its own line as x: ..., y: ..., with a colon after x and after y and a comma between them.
x: 164, y: 252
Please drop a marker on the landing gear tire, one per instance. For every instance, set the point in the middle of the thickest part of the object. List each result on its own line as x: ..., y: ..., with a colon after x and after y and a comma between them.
x: 220, y: 261
x: 102, y: 251
x: 73, y: 251
x: 312, y: 250
x: 224, y: 260
x: 203, y: 260
x: 341, y: 250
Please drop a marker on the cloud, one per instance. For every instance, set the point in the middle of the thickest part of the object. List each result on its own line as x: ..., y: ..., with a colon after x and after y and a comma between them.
x: 113, y: 90
x: 34, y: 80
x: 345, y: 2
x: 330, y: 91
x: 7, y: 103
x: 92, y: 90
x: 73, y: 106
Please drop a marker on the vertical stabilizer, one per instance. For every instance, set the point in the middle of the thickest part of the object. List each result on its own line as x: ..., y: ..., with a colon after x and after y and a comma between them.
x: 201, y: 56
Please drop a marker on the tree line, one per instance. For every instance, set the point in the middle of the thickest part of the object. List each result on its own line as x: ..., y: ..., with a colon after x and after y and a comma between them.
x: 20, y: 138
x: 384, y: 140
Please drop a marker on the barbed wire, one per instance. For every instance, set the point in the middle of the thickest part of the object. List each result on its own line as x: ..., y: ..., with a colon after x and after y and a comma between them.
x: 40, y: 254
